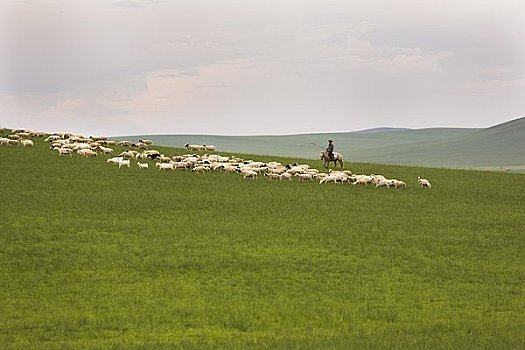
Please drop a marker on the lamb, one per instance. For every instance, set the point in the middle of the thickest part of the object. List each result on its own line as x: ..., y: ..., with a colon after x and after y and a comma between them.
x: 423, y: 182
x: 26, y: 143
x: 143, y: 165
x: 4, y: 141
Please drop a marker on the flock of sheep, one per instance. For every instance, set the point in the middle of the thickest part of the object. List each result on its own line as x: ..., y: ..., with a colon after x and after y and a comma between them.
x: 69, y: 144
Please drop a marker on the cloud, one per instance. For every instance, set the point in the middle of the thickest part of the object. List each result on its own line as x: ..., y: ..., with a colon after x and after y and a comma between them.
x: 489, y: 87
x: 493, y: 70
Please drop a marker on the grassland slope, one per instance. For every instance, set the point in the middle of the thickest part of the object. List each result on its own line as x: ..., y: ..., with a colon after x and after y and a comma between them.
x: 498, y: 146
x: 305, y: 145
x: 93, y: 256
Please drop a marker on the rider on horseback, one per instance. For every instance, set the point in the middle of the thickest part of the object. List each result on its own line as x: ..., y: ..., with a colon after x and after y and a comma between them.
x: 330, y: 150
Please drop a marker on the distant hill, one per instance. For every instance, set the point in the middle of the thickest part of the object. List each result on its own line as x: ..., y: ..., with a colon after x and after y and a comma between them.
x: 384, y: 129
x: 502, y: 145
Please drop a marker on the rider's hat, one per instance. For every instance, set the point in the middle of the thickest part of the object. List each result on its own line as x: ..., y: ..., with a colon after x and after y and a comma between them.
x: 330, y: 141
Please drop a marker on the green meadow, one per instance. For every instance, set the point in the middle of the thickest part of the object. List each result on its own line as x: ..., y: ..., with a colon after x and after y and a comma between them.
x: 97, y: 257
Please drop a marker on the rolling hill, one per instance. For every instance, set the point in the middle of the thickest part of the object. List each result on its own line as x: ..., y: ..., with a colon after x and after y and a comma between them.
x: 491, y: 148
x: 498, y: 146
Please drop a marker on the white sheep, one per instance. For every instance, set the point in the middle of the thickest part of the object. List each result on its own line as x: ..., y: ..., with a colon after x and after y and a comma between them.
x: 63, y: 151
x: 124, y: 162
x: 423, y: 182
x: 114, y: 160
x: 105, y: 150
x: 143, y: 165
x: 330, y: 178
x: 249, y: 173
x: 195, y: 147
x: 87, y: 153
x: 304, y: 177
x: 399, y: 183
x: 165, y: 166
x: 273, y: 176
x: 285, y: 176
x: 200, y: 169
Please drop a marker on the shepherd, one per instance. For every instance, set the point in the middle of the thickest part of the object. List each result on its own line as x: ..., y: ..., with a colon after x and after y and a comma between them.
x: 330, y: 156
x: 330, y: 150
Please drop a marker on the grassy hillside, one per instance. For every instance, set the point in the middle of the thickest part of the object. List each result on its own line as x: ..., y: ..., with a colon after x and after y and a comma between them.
x: 99, y: 257
x: 501, y: 145
x: 492, y: 148
x: 305, y: 146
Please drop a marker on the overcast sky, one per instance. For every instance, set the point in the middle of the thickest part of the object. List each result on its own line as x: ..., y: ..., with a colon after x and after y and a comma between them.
x: 251, y: 67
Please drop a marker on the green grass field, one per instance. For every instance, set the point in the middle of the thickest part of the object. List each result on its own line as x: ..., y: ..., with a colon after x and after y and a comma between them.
x: 95, y: 257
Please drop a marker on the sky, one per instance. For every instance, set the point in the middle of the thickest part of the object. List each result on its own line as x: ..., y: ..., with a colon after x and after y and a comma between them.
x: 252, y: 67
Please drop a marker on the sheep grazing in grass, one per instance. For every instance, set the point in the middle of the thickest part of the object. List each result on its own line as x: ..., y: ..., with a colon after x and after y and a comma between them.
x: 423, y: 182
x: 330, y: 178
x: 249, y: 173
x: 88, y: 153
x: 124, y: 162
x: 105, y: 150
x: 285, y: 176
x: 164, y: 159
x: 165, y: 166
x: 200, y: 169
x: 26, y: 143
x: 304, y: 177
x: 114, y: 160
x: 399, y: 183
x: 63, y: 151
x: 13, y: 137
x: 273, y: 176
x: 142, y: 165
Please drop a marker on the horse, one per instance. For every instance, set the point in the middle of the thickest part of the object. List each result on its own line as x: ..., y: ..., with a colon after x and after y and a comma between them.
x: 337, y: 158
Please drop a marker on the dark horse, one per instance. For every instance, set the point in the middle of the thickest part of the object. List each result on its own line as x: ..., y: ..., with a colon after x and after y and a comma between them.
x: 337, y: 158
